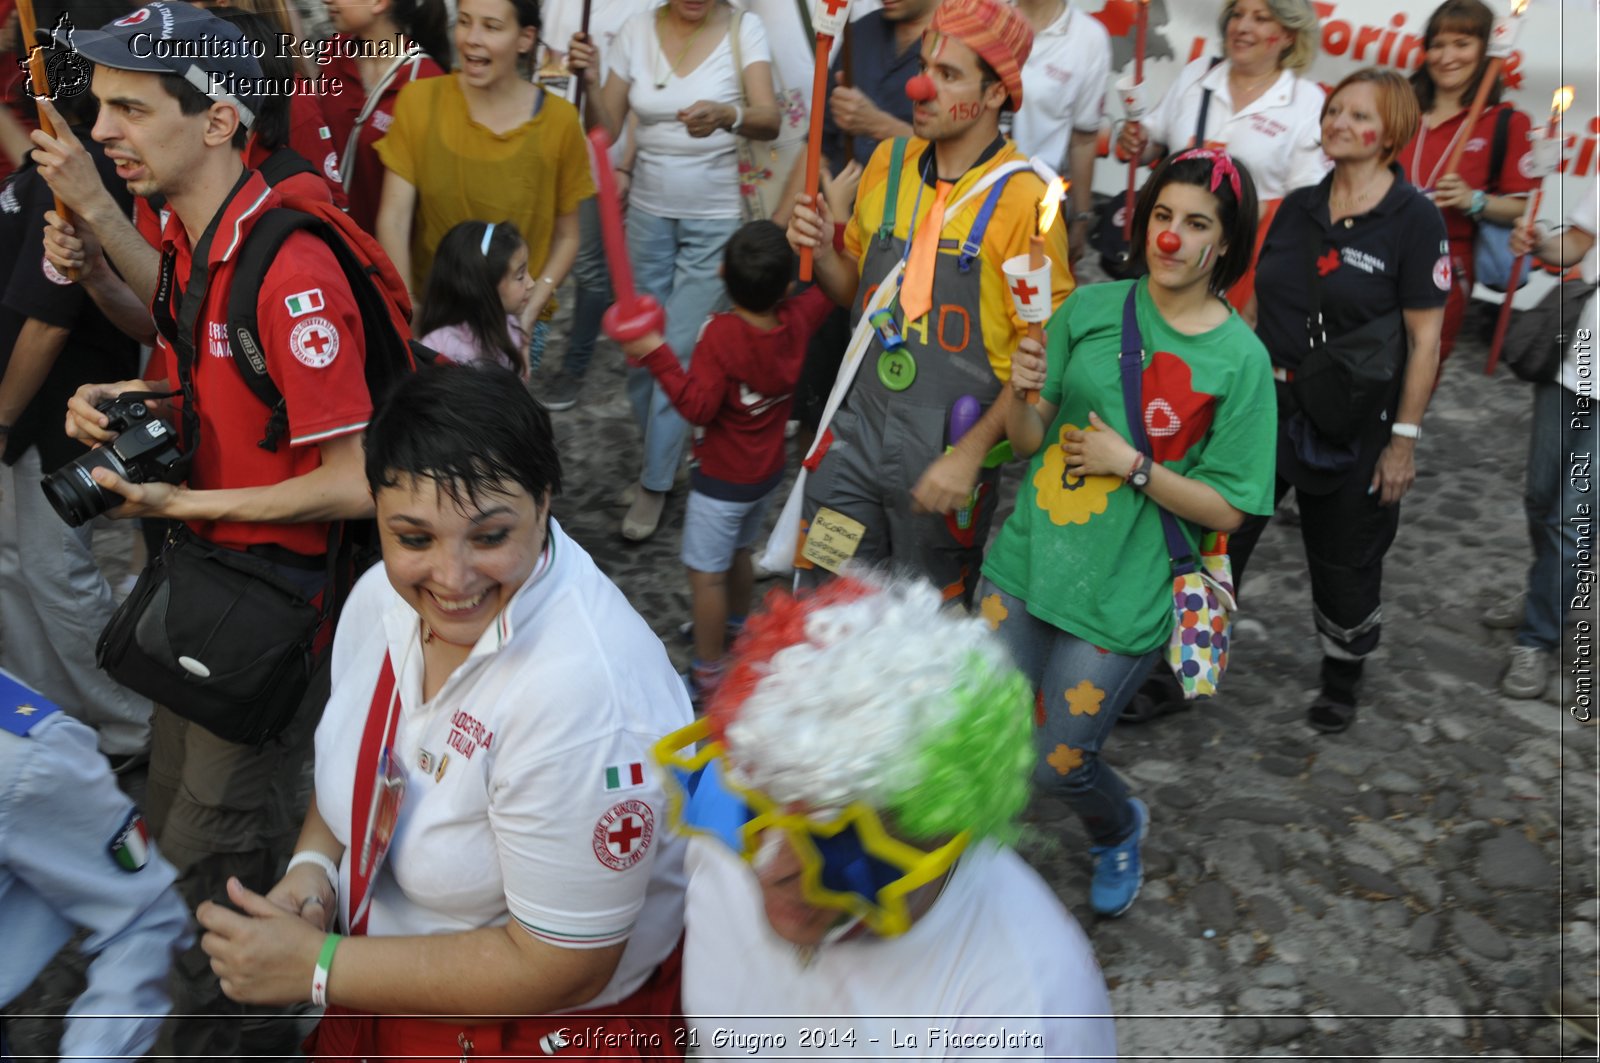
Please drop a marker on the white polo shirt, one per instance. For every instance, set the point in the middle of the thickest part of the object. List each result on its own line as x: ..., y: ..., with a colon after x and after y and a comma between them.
x: 1063, y: 86
x: 996, y: 942
x: 530, y: 793
x: 1278, y: 137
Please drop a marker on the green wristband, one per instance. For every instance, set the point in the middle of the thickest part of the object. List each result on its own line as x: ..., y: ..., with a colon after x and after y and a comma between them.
x: 319, y: 977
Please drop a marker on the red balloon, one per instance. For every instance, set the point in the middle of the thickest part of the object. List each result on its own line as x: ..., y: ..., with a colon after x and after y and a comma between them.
x: 920, y: 89
x: 1168, y: 242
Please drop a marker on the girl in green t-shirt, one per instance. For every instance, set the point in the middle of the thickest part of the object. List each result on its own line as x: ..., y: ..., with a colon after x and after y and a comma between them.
x: 1078, y: 582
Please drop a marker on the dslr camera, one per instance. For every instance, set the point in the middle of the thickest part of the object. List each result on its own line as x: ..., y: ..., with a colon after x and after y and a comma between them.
x: 145, y: 451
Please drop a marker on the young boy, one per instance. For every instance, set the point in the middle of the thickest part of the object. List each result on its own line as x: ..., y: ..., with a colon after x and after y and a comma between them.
x: 739, y: 387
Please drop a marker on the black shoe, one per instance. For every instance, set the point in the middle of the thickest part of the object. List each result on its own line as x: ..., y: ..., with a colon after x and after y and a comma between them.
x: 562, y: 392
x: 1160, y: 695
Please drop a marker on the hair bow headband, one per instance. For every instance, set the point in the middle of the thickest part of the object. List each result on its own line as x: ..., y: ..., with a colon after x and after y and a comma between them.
x: 1221, y: 165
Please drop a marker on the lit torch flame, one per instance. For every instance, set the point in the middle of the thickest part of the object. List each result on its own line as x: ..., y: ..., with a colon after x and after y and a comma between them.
x: 1050, y: 205
x: 1518, y: 7
x: 1561, y: 101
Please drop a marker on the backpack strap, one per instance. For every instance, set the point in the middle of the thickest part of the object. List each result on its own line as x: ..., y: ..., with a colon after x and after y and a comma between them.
x: 284, y: 164
x: 1497, y: 146
x: 244, y: 329
x: 973, y: 244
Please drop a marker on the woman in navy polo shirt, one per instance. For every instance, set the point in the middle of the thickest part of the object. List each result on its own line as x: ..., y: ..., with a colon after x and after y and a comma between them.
x: 1371, y: 250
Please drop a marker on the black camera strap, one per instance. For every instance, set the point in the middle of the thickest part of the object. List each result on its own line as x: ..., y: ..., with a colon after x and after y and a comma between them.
x: 180, y: 332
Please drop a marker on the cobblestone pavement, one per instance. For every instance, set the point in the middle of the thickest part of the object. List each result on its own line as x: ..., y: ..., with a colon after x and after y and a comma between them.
x: 1410, y: 889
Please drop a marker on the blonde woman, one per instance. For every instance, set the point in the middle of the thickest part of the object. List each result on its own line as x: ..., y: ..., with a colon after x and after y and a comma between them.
x: 1258, y: 104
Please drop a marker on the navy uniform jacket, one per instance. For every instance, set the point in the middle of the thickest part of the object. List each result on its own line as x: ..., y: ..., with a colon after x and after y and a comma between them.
x: 75, y: 852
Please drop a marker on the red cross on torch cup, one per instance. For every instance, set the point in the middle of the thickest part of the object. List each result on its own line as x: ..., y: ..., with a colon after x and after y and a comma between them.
x: 1022, y: 291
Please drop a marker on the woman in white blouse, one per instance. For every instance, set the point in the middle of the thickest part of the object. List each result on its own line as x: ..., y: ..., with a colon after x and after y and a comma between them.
x: 1262, y: 110
x: 674, y: 69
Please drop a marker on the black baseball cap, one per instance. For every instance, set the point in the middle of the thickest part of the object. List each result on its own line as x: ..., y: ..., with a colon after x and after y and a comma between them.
x: 173, y: 37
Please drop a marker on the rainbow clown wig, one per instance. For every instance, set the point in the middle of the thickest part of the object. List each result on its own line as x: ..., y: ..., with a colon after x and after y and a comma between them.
x: 879, y: 732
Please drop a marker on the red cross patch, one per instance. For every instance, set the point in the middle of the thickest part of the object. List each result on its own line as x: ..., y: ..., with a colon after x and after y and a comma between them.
x: 134, y: 19
x: 623, y: 833
x: 315, y: 342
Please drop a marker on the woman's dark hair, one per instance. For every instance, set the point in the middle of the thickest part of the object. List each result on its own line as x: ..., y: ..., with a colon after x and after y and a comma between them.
x: 1235, y: 212
x: 428, y: 24
x: 757, y: 264
x: 271, y: 126
x: 464, y: 286
x: 471, y: 431
x: 1472, y: 18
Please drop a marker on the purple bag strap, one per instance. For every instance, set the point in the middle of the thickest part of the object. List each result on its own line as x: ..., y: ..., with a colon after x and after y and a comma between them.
x: 1132, y: 363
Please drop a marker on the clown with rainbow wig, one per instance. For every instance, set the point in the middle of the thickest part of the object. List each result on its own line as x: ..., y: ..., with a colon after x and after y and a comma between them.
x: 850, y: 802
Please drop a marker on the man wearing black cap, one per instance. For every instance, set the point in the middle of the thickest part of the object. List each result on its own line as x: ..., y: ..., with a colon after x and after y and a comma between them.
x: 178, y: 93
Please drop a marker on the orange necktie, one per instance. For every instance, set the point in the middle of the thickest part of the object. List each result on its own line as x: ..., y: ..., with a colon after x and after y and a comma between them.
x: 916, y: 291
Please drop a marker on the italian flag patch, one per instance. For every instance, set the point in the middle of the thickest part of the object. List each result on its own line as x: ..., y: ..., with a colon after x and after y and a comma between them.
x: 625, y: 776
x: 130, y: 848
x: 302, y: 303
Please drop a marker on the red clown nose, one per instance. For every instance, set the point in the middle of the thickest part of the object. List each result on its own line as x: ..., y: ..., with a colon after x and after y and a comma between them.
x: 1168, y: 242
x: 920, y: 89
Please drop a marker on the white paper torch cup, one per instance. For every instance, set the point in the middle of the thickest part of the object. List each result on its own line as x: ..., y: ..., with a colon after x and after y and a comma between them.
x: 830, y: 17
x: 1503, y: 37
x: 1132, y: 95
x: 1544, y: 154
x: 1029, y: 288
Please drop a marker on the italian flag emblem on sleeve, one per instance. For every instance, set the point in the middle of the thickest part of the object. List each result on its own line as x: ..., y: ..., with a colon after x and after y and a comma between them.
x: 302, y: 303
x: 130, y: 848
x: 625, y: 776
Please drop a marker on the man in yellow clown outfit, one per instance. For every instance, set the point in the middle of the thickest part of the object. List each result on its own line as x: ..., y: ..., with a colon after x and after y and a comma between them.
x: 890, y: 479
x: 848, y: 804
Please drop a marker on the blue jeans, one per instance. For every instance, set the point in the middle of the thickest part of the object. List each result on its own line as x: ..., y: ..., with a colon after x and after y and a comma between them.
x: 593, y: 291
x: 1083, y: 690
x: 1551, y: 497
x: 675, y: 261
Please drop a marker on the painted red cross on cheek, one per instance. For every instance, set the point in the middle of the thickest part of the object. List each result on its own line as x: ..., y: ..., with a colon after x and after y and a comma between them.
x: 1368, y: 137
x: 1024, y: 291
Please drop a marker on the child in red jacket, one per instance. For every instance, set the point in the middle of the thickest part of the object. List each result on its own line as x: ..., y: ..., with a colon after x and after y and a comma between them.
x: 739, y: 388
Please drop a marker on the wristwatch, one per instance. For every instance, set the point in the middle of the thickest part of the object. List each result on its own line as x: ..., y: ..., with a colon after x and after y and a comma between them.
x: 1480, y: 200
x: 1139, y: 478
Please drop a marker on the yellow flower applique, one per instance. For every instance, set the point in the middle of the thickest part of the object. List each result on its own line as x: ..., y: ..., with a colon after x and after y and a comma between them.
x: 1069, y: 499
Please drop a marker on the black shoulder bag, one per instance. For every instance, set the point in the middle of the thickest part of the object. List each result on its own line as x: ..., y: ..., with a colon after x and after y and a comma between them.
x: 1345, y: 381
x: 224, y: 638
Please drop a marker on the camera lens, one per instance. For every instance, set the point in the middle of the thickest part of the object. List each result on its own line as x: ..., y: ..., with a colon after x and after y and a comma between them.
x: 76, y: 498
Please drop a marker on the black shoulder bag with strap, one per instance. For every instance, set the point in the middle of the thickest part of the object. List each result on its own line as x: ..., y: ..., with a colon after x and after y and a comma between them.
x: 1344, y: 381
x: 1116, y: 257
x: 224, y: 638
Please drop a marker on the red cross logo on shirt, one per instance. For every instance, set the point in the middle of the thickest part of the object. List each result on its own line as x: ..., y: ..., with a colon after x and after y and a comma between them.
x: 624, y: 836
x: 623, y: 833
x: 1328, y: 262
x: 1024, y: 291
x: 317, y: 341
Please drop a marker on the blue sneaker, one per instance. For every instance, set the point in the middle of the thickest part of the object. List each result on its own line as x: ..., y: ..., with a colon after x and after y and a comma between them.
x: 1119, y: 869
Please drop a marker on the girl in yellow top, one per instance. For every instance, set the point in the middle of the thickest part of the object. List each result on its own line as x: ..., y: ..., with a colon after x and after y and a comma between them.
x: 485, y: 144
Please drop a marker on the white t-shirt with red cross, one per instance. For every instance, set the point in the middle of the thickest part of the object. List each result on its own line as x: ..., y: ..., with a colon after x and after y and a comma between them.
x: 996, y: 943
x: 1063, y: 86
x: 529, y: 789
x: 1278, y: 137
